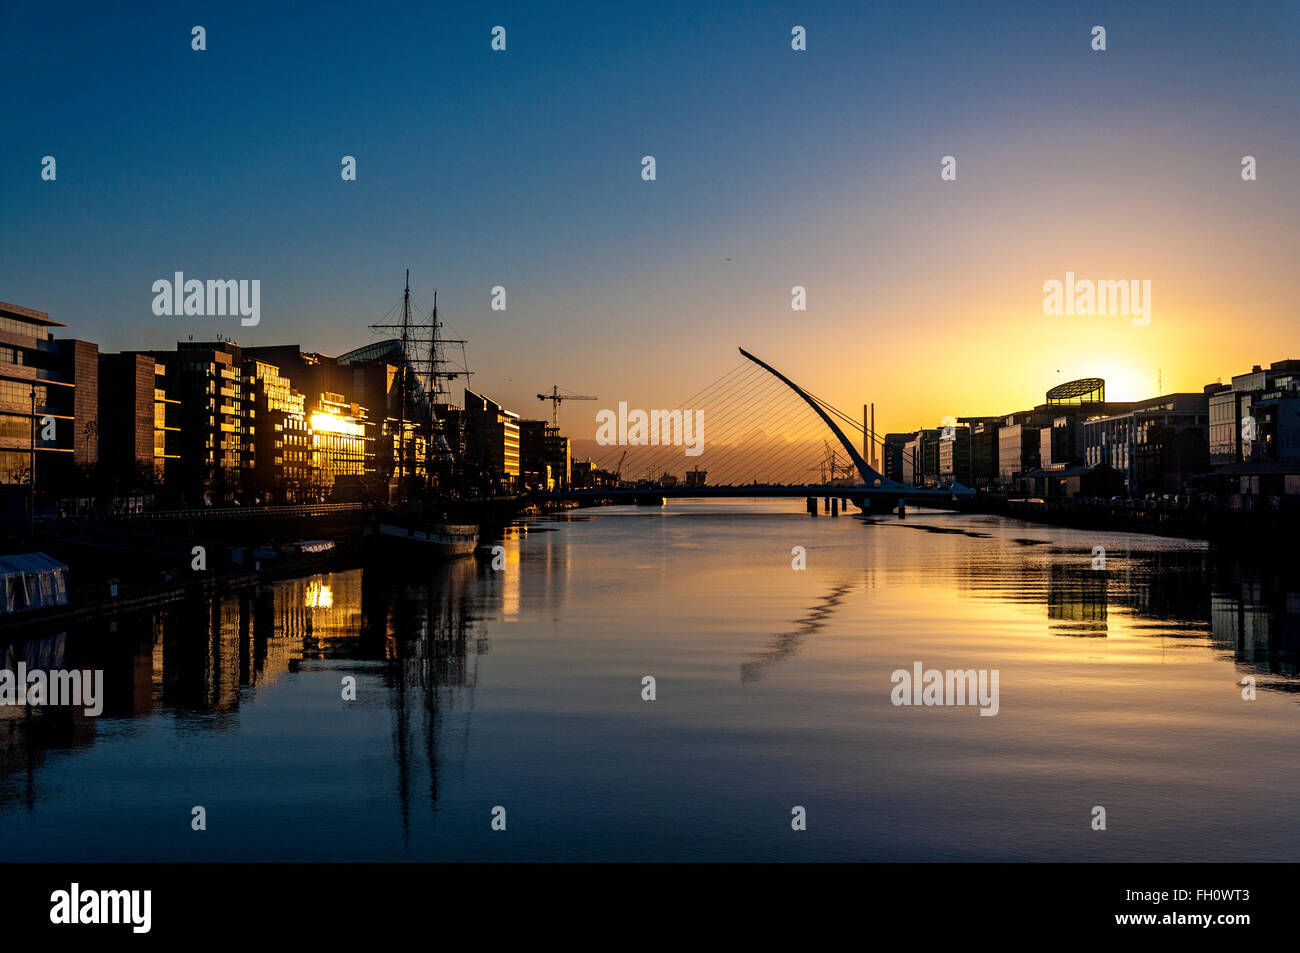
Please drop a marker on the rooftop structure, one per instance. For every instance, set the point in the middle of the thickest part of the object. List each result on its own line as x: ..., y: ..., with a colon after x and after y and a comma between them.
x: 1086, y: 390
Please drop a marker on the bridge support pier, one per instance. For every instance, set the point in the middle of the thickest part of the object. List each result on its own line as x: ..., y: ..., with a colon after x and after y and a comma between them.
x: 812, y: 506
x: 835, y: 506
x: 902, y: 509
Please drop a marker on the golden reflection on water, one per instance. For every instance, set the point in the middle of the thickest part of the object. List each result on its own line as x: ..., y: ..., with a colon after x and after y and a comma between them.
x: 1119, y: 686
x: 318, y: 596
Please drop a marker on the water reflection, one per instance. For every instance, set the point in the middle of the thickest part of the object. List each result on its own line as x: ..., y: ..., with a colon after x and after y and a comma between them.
x: 1249, y: 612
x: 199, y: 661
x: 1255, y: 619
x: 417, y: 634
x: 787, y: 644
x: 1076, y: 600
x: 423, y: 625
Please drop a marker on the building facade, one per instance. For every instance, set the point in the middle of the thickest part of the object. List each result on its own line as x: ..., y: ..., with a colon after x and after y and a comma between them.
x: 1156, y: 433
x: 544, y: 456
x: 492, y: 441
x: 139, y: 425
x: 48, y: 401
x: 985, y: 473
x: 954, y: 454
x: 892, y: 451
x: 1233, y: 425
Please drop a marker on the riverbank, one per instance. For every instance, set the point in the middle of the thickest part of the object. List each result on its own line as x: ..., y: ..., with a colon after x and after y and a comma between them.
x: 117, y: 566
x: 1236, y: 530
x: 138, y: 596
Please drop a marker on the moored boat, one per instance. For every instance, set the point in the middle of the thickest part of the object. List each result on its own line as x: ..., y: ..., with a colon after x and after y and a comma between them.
x: 438, y: 539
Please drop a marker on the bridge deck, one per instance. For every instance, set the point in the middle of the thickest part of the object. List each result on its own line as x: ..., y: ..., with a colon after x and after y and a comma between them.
x: 855, y: 493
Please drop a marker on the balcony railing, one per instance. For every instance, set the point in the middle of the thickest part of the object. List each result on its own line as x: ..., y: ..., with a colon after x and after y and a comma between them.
x: 244, y: 512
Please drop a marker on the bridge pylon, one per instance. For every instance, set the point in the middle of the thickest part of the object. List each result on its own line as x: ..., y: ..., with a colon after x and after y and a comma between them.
x: 873, y: 479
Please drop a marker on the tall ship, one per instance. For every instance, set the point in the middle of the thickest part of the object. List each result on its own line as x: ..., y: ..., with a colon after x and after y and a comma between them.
x: 432, y: 500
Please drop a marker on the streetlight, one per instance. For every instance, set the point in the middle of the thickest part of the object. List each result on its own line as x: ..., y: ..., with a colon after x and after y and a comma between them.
x: 31, y: 483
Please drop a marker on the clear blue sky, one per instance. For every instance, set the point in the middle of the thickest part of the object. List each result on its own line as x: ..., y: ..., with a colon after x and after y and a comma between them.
x: 523, y: 169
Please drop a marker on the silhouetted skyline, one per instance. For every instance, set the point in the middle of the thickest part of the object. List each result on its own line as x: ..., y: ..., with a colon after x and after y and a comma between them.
x: 775, y: 168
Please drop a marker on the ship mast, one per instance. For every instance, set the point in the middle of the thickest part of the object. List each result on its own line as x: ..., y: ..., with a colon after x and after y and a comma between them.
x: 403, y: 394
x: 434, y: 387
x: 440, y: 369
x: 416, y: 335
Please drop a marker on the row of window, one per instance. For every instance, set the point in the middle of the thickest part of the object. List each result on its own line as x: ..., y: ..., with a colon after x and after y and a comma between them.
x: 25, y: 328
x: 19, y: 392
x: 12, y: 355
x: 15, y: 426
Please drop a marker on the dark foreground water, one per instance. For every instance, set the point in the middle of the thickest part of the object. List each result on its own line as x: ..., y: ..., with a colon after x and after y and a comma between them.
x: 523, y: 689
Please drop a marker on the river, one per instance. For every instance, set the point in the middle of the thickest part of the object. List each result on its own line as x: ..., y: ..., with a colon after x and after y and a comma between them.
x: 522, y: 688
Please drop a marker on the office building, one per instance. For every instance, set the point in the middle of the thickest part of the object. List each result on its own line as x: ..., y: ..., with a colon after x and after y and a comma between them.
x: 985, y: 474
x: 139, y: 426
x: 1156, y: 445
x: 492, y: 441
x: 1020, y: 445
x: 283, y: 469
x: 340, y: 434
x: 892, y: 453
x: 1232, y: 423
x: 48, y: 400
x: 954, y: 454
x: 543, y: 455
x: 217, y: 429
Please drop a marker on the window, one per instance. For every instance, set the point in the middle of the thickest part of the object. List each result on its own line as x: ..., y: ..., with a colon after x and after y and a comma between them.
x: 25, y: 328
x: 12, y: 425
x: 19, y: 392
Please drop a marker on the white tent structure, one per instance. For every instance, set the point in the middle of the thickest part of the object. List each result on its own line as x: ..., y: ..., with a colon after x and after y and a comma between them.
x: 31, y: 581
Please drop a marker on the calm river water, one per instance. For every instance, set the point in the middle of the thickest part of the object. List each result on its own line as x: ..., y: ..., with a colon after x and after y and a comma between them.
x: 522, y: 689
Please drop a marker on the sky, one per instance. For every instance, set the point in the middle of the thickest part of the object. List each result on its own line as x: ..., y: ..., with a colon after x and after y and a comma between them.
x: 775, y: 168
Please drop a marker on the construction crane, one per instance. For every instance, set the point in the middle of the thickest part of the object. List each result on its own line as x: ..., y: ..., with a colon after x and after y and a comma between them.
x: 556, y: 398
x: 829, y: 458
x: 837, y: 469
x: 618, y: 471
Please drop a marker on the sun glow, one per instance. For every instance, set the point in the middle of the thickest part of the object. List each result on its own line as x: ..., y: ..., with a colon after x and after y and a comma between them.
x: 1125, y: 382
x: 329, y: 423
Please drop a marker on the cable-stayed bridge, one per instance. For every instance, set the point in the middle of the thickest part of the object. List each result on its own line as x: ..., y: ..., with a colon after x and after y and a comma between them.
x: 764, y: 436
